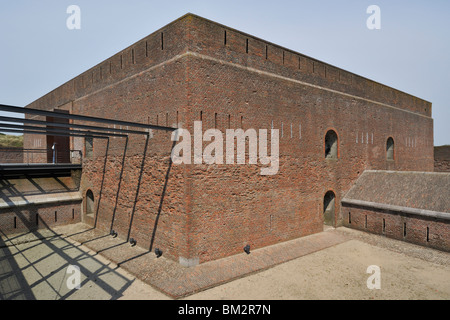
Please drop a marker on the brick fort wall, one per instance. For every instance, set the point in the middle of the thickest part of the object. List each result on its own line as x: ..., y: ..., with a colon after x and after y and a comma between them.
x: 194, y: 69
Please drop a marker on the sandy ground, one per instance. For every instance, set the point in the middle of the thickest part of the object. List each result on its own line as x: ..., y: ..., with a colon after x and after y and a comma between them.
x: 39, y: 270
x: 340, y: 273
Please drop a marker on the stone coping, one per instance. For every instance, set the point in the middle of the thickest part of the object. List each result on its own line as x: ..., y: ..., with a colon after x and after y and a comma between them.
x: 55, y: 198
x: 390, y: 207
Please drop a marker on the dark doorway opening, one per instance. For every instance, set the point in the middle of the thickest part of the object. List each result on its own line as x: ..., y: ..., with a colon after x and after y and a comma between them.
x: 329, y: 202
x: 58, y: 148
x: 90, y: 204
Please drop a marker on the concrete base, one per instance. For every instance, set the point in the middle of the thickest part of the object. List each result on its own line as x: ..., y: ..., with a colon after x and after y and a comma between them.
x: 189, y: 263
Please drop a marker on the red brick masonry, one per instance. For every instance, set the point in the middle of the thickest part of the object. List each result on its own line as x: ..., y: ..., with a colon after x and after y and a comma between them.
x: 196, y: 69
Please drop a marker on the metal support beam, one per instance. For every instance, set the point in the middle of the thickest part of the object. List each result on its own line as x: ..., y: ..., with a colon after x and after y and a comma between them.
x: 81, y: 118
x: 69, y: 125
x: 59, y: 134
x: 50, y: 131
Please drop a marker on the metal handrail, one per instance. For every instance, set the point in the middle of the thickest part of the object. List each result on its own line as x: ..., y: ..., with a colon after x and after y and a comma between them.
x: 75, y: 156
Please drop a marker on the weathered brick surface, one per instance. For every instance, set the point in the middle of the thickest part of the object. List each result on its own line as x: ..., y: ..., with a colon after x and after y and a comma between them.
x: 212, y: 211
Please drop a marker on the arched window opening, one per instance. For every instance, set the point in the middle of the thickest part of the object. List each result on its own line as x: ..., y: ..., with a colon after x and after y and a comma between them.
x: 390, y: 149
x: 331, y: 145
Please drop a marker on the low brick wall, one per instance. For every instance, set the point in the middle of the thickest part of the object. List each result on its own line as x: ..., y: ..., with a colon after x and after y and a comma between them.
x: 32, y: 203
x: 11, y: 155
x: 442, y: 159
x: 423, y: 229
x: 442, y: 165
x: 18, y: 219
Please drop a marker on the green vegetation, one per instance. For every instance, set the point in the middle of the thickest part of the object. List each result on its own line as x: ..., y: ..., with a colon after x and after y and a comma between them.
x: 8, y: 141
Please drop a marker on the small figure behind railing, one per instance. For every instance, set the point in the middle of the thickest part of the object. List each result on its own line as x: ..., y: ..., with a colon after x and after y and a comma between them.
x: 54, y: 152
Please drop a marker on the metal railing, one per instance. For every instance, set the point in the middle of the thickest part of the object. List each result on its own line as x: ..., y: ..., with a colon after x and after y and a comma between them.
x: 50, y: 155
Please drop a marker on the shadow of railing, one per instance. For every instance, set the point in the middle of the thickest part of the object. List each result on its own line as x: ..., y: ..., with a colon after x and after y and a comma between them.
x: 161, y: 202
x: 119, y: 186
x: 42, y: 272
x: 103, y: 180
x: 25, y: 288
x: 20, y: 280
x: 138, y: 187
x: 13, y: 285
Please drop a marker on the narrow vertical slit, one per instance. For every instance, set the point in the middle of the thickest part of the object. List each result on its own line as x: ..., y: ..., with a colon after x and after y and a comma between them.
x: 157, y: 119
x: 404, y: 230
x: 349, y: 218
x: 37, y: 219
x: 133, y: 60
x: 267, y: 52
x: 110, y: 67
x: 162, y: 41
x: 229, y: 121
x: 246, y: 46
x: 73, y: 214
x: 177, y: 119
x: 242, y: 118
x: 201, y: 115
x: 215, y: 120
x: 365, y: 224
x: 283, y: 57
x: 299, y: 63
x: 384, y: 225
x: 428, y: 234
x: 15, y: 222
x: 121, y: 62
x: 225, y: 37
x: 56, y: 216
x: 146, y: 49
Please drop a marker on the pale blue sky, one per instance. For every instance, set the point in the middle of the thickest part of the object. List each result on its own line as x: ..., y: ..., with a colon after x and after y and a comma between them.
x: 411, y: 52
